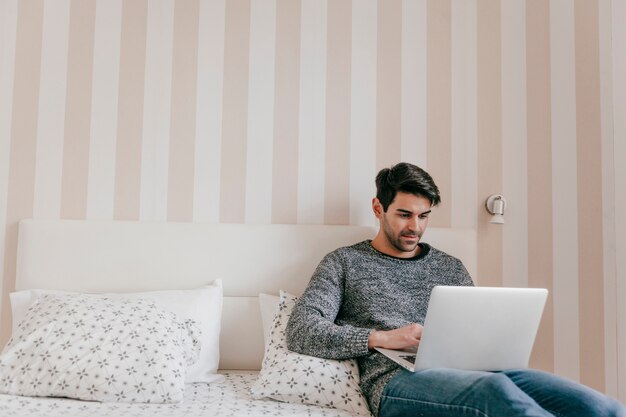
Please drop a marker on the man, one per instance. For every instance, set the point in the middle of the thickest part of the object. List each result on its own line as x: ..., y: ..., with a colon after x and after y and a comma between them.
x: 375, y: 294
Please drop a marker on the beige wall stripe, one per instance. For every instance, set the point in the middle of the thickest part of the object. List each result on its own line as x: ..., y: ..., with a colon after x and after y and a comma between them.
x: 338, y: 68
x: 235, y: 111
x: 590, y: 255
x: 286, y: 113
x: 130, y: 110
x: 539, y: 204
x: 183, y: 126
x: 439, y: 104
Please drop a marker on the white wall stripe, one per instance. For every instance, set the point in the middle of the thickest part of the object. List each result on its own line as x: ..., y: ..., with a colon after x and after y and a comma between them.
x: 363, y: 116
x: 463, y: 141
x: 564, y: 187
x: 619, y: 132
x: 210, y: 88
x: 105, y: 85
x: 260, y: 111
x: 157, y: 111
x: 8, y: 31
x: 312, y: 141
x: 608, y: 198
x: 51, y: 115
x: 514, y: 144
x: 413, y: 119
x: 470, y: 159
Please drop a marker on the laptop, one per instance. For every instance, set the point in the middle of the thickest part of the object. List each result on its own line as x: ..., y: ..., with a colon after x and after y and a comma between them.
x: 476, y: 328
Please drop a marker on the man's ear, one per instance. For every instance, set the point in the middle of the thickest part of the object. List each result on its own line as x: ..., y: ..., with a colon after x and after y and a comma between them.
x: 377, y: 207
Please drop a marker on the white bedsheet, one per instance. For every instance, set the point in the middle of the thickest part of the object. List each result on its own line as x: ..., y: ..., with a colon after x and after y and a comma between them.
x: 229, y: 398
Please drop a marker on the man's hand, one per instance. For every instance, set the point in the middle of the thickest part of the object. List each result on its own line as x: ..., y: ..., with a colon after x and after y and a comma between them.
x: 401, y: 338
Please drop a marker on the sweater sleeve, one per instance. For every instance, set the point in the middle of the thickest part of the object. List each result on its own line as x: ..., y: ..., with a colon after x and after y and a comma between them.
x: 311, y: 329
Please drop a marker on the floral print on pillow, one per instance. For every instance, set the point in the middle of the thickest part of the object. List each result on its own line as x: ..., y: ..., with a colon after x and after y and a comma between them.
x: 292, y: 377
x: 99, y: 348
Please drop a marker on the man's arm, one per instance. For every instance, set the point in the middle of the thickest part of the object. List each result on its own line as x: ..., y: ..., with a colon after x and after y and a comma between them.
x: 311, y: 329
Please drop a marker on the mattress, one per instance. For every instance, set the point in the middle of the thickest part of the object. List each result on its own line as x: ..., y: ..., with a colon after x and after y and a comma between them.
x: 228, y: 398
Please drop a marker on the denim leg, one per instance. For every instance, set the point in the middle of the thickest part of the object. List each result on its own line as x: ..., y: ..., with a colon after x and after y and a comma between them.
x: 456, y: 393
x: 563, y: 397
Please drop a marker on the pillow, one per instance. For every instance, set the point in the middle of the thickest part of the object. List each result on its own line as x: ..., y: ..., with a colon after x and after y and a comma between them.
x: 292, y: 377
x: 268, y: 304
x: 203, y: 305
x: 99, y: 348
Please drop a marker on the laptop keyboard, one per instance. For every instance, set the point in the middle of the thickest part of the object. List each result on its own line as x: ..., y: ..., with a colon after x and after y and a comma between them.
x: 410, y: 358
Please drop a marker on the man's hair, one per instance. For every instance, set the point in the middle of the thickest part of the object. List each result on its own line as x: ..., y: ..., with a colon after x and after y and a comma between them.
x: 406, y: 178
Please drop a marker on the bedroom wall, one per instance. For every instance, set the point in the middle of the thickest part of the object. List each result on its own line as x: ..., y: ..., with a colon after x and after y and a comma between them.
x: 282, y: 111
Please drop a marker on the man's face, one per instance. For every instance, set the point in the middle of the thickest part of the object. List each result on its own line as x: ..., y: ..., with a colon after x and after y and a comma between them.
x: 403, y: 224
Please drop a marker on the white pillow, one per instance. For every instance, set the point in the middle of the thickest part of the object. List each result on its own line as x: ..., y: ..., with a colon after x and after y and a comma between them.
x: 292, y: 377
x: 99, y: 348
x: 203, y: 305
x: 268, y: 304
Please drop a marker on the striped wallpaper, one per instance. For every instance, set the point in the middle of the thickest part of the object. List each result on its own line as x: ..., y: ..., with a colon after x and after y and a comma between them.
x: 282, y: 111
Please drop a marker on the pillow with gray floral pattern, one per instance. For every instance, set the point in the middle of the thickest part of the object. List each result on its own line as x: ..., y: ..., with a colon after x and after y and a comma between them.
x: 292, y: 377
x: 99, y: 348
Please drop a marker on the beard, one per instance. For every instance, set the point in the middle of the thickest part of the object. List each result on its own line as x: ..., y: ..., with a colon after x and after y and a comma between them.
x: 405, y: 241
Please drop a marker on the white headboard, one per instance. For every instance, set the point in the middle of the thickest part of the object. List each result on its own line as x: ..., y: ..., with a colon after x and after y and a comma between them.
x: 119, y: 256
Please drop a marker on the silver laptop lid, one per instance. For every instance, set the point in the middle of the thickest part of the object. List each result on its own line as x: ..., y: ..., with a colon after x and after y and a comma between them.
x: 480, y: 328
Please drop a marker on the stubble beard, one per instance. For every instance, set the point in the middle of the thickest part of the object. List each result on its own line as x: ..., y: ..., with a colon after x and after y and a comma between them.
x: 397, y: 241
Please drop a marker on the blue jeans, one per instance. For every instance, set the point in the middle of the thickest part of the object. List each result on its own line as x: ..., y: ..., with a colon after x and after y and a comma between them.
x: 525, y: 392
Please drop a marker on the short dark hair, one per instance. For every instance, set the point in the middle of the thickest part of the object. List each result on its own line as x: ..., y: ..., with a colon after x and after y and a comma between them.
x: 406, y: 178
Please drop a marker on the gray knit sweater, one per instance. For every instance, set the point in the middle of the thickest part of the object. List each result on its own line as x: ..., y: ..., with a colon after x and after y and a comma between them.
x: 356, y: 290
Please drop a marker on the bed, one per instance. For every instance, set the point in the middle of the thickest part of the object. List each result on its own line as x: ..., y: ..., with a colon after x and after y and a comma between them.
x: 126, y: 257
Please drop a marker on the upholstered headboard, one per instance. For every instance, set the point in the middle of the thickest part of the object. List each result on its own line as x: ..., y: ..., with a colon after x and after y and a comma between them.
x: 118, y: 256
